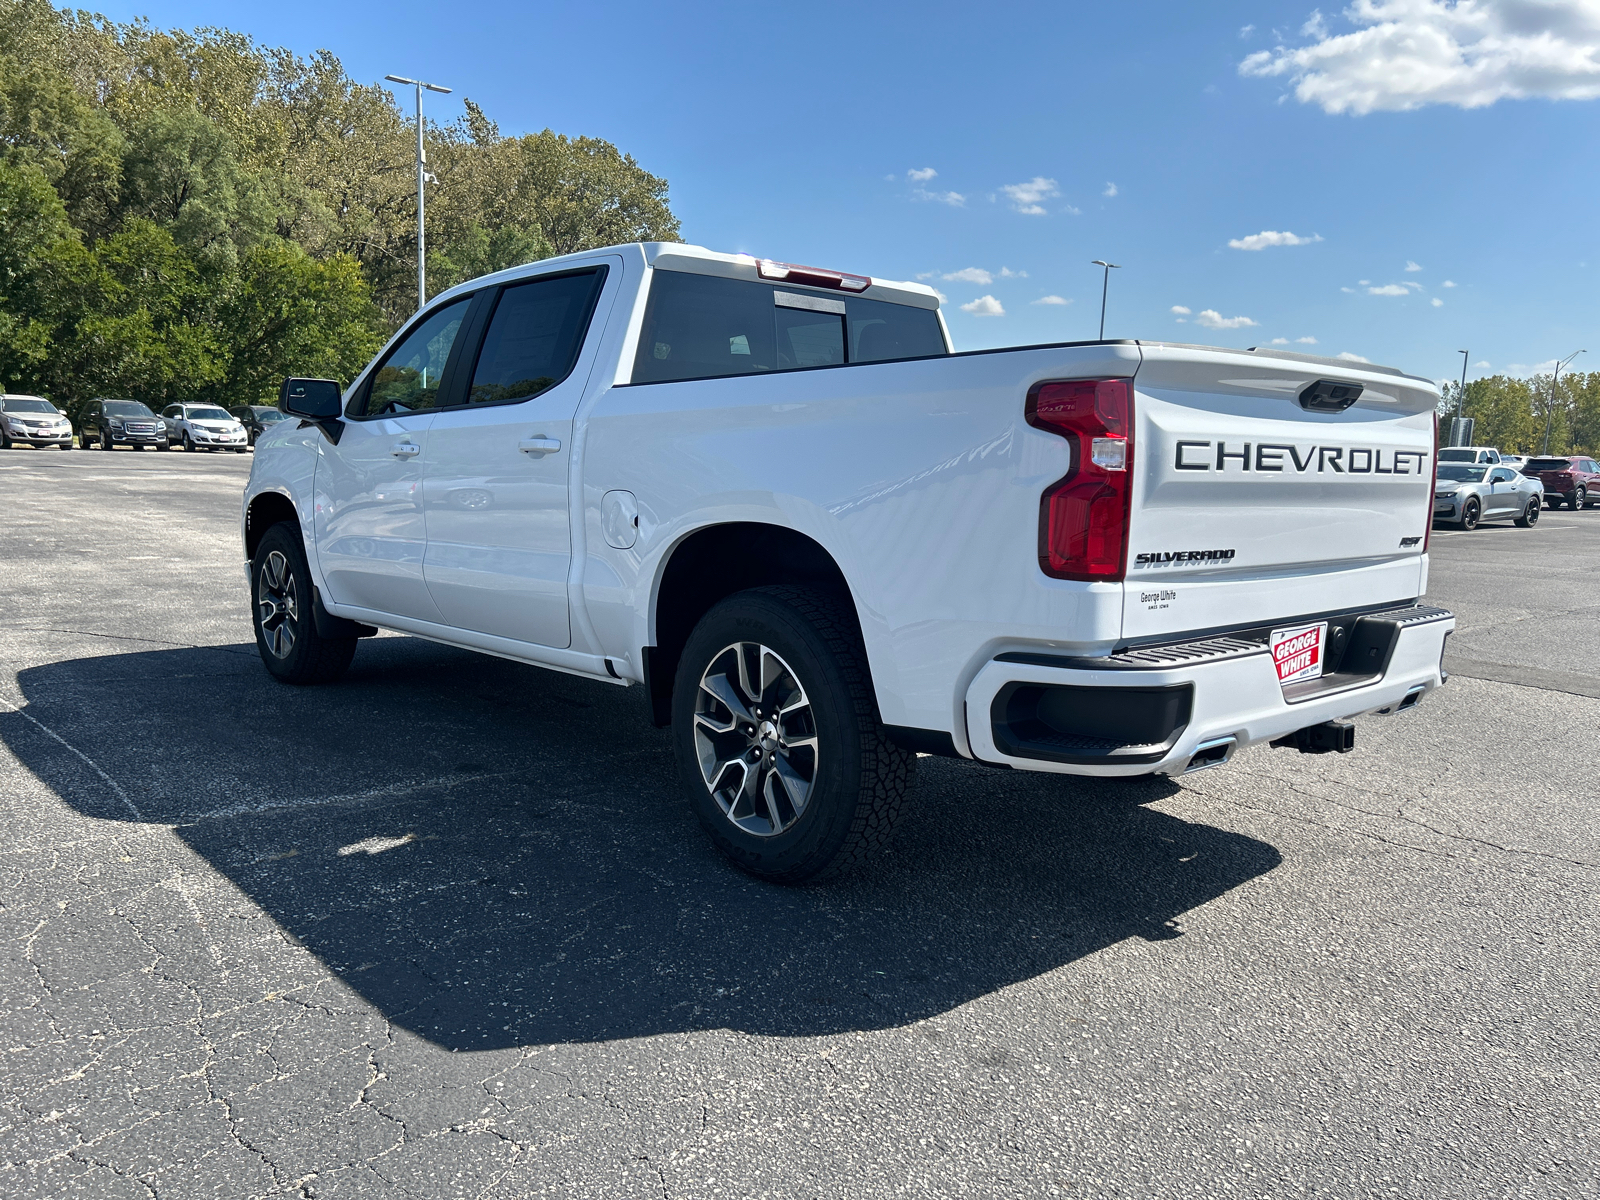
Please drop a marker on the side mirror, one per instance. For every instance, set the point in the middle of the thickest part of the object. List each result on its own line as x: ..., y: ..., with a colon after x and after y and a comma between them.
x: 314, y: 399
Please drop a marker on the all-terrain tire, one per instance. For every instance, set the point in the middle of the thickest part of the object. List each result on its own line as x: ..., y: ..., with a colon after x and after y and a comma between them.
x: 859, y: 778
x: 282, y: 610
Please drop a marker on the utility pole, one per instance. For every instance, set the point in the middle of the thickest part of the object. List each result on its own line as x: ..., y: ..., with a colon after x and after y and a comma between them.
x: 422, y: 183
x: 1550, y: 409
x: 1104, y: 284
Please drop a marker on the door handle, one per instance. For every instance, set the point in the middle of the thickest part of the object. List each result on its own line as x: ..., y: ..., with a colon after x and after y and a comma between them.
x: 406, y: 450
x: 539, y: 445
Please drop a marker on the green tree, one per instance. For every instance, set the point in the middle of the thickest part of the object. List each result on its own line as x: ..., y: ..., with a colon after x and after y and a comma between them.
x: 181, y: 173
x: 33, y: 231
x: 292, y: 315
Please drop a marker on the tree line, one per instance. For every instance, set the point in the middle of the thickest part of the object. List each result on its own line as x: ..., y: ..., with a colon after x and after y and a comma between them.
x: 1513, y: 414
x: 186, y: 215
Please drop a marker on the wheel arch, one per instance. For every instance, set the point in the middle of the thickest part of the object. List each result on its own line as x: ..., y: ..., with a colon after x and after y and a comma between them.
x: 265, y: 510
x: 712, y: 563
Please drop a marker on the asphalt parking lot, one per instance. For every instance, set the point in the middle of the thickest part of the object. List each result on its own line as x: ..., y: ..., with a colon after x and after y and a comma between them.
x: 448, y: 930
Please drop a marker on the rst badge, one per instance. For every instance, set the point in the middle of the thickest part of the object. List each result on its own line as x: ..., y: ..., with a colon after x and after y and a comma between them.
x: 1297, y: 652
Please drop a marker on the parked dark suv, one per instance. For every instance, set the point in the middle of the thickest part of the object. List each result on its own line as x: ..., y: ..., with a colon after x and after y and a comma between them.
x: 256, y: 418
x: 111, y: 423
x: 1574, y: 478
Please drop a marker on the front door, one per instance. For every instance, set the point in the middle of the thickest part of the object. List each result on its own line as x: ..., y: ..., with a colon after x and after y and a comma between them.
x: 369, y: 516
x: 1503, y: 494
x: 499, y: 546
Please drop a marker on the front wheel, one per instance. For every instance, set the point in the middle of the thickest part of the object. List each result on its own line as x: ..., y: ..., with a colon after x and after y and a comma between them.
x: 105, y: 439
x: 1530, y: 515
x: 188, y: 442
x: 778, y: 740
x: 1469, y: 515
x: 282, y: 604
x: 1580, y: 499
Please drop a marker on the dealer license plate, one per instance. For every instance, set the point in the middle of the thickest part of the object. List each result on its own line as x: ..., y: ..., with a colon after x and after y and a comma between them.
x: 1297, y: 652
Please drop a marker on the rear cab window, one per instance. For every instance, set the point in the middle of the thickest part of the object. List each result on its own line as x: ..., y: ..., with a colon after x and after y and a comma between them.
x: 707, y: 326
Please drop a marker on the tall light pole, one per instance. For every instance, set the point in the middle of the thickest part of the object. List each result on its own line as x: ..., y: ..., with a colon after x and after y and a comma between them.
x: 1104, y: 284
x: 1550, y: 409
x: 1462, y: 394
x: 422, y: 183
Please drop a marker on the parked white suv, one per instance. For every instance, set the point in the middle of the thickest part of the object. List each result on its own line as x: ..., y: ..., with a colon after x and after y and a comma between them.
x: 822, y: 542
x: 204, y: 427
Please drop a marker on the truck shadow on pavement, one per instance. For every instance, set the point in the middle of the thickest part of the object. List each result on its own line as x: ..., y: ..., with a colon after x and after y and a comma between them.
x: 494, y: 855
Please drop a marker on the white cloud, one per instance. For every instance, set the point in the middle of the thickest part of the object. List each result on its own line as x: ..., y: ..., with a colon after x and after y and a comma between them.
x: 1212, y: 319
x: 1271, y: 237
x: 1436, y: 302
x: 1411, y: 266
x: 1307, y: 341
x: 1280, y: 341
x: 984, y: 306
x: 1405, y: 54
x: 970, y: 275
x: 1348, y: 357
x: 921, y: 174
x: 1448, y: 283
x: 1315, y: 27
x: 1345, y: 289
x: 1363, y: 282
x: 943, y: 299
x: 1389, y: 289
x: 1072, y: 212
x: 1008, y: 273
x: 926, y: 274
x: 1181, y: 310
x: 1246, y: 30
x: 953, y: 199
x: 1111, y: 190
x: 1052, y: 300
x: 1025, y: 197
x: 1482, y: 362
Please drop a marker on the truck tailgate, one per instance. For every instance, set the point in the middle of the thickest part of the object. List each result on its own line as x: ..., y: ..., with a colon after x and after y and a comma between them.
x: 1248, y: 508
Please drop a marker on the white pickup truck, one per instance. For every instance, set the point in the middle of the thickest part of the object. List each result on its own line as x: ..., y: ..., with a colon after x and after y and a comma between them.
x: 824, y: 543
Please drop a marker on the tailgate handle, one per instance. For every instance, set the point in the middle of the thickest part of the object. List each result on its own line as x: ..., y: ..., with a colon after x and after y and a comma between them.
x: 1328, y: 396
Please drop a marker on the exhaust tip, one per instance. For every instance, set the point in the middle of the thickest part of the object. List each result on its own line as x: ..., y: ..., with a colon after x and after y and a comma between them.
x: 1211, y: 753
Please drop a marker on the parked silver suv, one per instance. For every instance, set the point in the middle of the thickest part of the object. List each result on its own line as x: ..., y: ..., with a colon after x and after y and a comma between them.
x: 32, y: 421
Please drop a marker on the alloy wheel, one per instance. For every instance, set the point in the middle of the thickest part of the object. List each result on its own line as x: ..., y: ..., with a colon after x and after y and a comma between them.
x: 278, y: 605
x: 756, y: 738
x: 1469, y: 515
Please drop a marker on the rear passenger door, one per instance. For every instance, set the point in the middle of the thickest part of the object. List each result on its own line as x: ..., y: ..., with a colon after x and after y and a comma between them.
x: 495, y: 492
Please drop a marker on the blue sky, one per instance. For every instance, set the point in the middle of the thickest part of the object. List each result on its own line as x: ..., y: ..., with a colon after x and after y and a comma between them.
x: 1061, y: 133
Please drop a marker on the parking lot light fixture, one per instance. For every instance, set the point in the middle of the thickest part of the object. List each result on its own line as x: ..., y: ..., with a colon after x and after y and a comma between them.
x: 422, y: 182
x: 1550, y: 409
x: 1105, y: 283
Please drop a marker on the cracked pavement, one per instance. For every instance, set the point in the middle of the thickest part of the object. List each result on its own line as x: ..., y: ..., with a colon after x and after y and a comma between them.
x: 448, y: 930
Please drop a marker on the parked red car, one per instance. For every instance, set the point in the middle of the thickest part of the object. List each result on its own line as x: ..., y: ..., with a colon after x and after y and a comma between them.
x: 1574, y: 478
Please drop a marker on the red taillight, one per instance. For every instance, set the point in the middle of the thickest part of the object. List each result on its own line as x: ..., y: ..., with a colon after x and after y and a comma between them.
x: 1083, y: 518
x: 814, y: 276
x: 1433, y: 482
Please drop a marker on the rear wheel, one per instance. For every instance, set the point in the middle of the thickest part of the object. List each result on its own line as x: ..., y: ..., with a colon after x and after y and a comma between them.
x: 282, y: 603
x: 1580, y: 498
x: 778, y: 740
x: 1530, y: 515
x: 1469, y: 515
